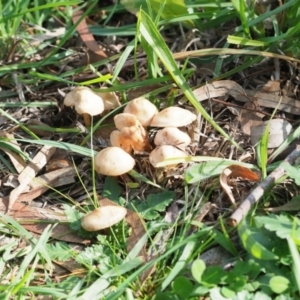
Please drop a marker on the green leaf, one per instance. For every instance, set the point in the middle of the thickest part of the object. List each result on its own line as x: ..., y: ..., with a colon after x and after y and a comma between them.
x: 61, y: 145
x: 282, y: 225
x: 279, y: 284
x: 227, y: 293
x: 293, y: 172
x: 213, y: 275
x: 60, y: 251
x: 124, y: 268
x: 151, y: 34
x: 182, y: 286
x: 112, y: 190
x: 181, y: 262
x: 74, y: 216
x: 198, y: 268
x: 154, y: 204
x: 249, y: 239
x: 172, y: 8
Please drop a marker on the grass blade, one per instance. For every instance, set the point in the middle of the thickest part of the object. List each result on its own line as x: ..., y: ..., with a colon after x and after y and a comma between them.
x: 155, y: 40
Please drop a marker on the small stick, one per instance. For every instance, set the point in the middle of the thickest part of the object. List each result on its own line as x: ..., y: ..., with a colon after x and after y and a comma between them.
x: 258, y: 192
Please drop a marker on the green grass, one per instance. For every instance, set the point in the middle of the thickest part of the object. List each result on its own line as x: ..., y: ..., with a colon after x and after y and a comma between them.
x: 264, y: 263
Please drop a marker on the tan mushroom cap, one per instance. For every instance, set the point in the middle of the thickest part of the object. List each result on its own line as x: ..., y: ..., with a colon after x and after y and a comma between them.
x: 131, y: 136
x: 125, y: 120
x: 143, y: 109
x: 85, y: 101
x: 103, y: 217
x: 113, y: 161
x: 172, y: 136
x: 173, y: 117
x: 117, y: 139
x: 163, y: 152
x: 110, y: 99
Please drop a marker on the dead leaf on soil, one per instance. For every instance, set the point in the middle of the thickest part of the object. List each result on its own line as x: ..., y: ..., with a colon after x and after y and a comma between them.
x: 95, y: 53
x: 235, y: 171
x: 249, y: 118
x: 17, y: 161
x: 71, y: 267
x: 60, y: 232
x: 36, y: 39
x: 39, y: 186
x: 271, y: 86
x: 279, y: 130
x: 228, y: 87
x: 26, y: 176
x: 219, y: 89
x: 37, y: 219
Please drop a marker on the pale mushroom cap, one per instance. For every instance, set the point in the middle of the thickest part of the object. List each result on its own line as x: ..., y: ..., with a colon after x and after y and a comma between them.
x: 85, y: 101
x: 103, y: 217
x: 113, y: 161
x: 110, y: 99
x: 174, y: 117
x: 143, y: 109
x: 172, y: 136
x: 163, y: 152
x: 125, y: 120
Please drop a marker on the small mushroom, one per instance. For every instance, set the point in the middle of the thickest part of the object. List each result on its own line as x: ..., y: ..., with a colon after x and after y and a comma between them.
x: 173, y: 116
x: 110, y: 100
x: 125, y: 120
x: 86, y: 102
x: 113, y: 161
x: 131, y: 135
x: 117, y: 139
x: 103, y: 217
x: 163, y: 152
x: 172, y: 136
x: 143, y: 109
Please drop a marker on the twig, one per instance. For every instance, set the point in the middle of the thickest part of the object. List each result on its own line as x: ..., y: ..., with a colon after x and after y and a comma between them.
x: 258, y: 192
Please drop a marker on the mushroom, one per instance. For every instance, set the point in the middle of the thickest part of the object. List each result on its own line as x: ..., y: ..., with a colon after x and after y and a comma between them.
x: 125, y: 120
x: 173, y: 116
x: 103, y: 217
x: 143, y: 109
x: 172, y: 136
x: 86, y: 102
x: 110, y: 100
x: 117, y: 139
x: 131, y: 134
x: 113, y: 161
x: 163, y: 152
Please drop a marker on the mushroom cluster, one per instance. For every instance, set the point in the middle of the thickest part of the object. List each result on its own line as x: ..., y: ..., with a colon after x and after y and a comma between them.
x: 88, y: 103
x: 131, y: 135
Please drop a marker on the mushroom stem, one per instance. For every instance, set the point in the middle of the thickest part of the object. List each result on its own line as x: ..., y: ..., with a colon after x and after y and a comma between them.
x: 87, y: 120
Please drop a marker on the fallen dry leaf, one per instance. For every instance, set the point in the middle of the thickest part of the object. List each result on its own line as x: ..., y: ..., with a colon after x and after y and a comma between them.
x: 60, y: 232
x: 279, y: 130
x: 228, y: 87
x: 271, y: 86
x: 17, y: 161
x: 249, y: 118
x: 95, y: 53
x: 26, y: 176
x: 235, y: 171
